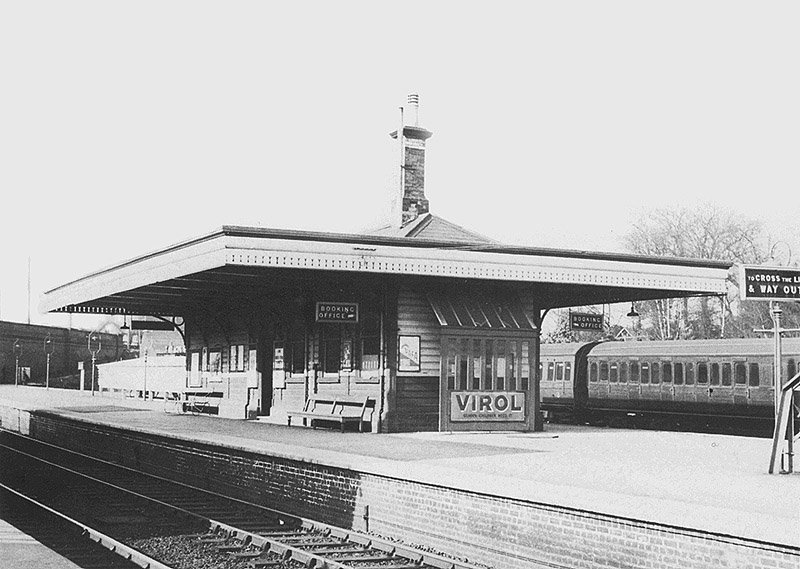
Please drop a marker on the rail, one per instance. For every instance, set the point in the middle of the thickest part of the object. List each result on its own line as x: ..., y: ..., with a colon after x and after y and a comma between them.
x: 784, y: 420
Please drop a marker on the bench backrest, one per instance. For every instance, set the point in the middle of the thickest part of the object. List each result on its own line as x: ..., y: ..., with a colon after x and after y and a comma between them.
x: 356, y: 407
x: 362, y: 407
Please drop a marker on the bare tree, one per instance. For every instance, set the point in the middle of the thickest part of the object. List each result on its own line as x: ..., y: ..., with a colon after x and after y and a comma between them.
x: 707, y: 232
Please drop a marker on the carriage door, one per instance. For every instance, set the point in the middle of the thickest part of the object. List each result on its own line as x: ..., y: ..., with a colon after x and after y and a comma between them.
x: 741, y: 391
x: 486, y: 382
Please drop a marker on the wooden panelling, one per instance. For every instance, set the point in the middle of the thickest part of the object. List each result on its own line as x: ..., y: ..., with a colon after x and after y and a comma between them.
x: 415, y: 318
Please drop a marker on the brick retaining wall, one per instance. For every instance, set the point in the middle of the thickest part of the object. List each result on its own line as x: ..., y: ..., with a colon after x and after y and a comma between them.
x: 502, y: 533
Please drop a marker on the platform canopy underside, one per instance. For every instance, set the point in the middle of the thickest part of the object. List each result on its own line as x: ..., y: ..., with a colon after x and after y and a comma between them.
x: 237, y: 263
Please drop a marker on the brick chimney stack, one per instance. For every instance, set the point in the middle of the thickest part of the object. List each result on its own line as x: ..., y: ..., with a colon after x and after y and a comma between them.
x: 412, y: 166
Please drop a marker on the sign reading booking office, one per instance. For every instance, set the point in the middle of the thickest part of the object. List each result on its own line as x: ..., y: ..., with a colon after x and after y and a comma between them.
x: 339, y: 312
x: 487, y: 406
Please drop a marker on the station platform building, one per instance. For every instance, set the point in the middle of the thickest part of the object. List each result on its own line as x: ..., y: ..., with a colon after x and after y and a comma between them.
x: 567, y: 496
x: 436, y: 326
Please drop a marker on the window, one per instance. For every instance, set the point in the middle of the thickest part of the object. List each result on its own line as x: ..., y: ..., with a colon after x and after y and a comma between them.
x: 635, y: 372
x: 715, y: 374
x: 568, y: 371
x: 614, y: 372
x: 294, y: 360
x: 623, y: 372
x: 754, y: 378
x: 473, y: 364
x: 726, y: 373
x: 451, y: 367
x: 214, y: 364
x: 369, y: 342
x: 488, y: 363
x: 551, y: 371
x: 678, y: 373
x: 666, y: 367
x: 462, y: 363
x: 791, y: 368
x: 331, y: 355
x: 236, y: 361
x: 500, y: 368
x: 593, y: 372
x: 645, y: 372
x: 603, y: 371
x: 477, y: 366
x: 740, y: 373
x: 525, y: 366
x: 560, y: 371
x: 689, y: 374
x: 513, y: 369
x: 702, y: 373
x: 655, y: 373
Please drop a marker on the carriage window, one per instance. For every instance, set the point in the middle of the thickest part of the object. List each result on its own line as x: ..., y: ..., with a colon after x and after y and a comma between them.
x: 726, y: 373
x: 689, y: 374
x: 678, y: 373
x: 645, y: 372
x: 715, y: 374
x: 655, y: 373
x: 702, y: 373
x: 593, y: 372
x: 613, y: 372
x: 740, y: 373
x: 754, y: 379
x: 635, y: 372
x: 551, y: 370
x: 568, y: 371
x: 791, y: 368
x: 666, y: 367
x: 560, y: 371
x: 623, y: 372
x: 603, y: 371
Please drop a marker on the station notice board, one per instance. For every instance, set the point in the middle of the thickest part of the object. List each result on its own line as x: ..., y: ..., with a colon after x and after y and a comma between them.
x: 585, y: 321
x: 769, y: 283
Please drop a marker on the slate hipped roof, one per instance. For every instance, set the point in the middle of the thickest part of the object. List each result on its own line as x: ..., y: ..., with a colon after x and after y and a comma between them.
x: 433, y: 228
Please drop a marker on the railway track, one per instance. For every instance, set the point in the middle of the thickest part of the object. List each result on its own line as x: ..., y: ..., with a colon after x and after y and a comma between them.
x: 72, y: 540
x: 182, y: 526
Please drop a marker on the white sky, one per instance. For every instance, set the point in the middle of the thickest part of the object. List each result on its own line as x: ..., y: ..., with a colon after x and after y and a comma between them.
x: 126, y: 127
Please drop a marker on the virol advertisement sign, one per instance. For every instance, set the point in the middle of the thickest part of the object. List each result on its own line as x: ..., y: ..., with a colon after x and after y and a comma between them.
x: 487, y: 406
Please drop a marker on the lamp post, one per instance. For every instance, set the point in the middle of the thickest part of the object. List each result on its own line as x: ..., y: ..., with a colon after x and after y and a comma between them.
x: 17, y: 354
x: 48, y: 350
x: 94, y: 347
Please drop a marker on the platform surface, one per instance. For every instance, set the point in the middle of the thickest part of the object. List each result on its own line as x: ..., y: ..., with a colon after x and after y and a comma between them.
x: 21, y: 551
x: 712, y: 483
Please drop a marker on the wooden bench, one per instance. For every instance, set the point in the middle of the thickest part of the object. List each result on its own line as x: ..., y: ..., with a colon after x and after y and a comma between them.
x: 198, y: 402
x: 339, y: 410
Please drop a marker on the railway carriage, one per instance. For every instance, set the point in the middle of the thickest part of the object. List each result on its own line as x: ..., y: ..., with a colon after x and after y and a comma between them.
x: 654, y: 383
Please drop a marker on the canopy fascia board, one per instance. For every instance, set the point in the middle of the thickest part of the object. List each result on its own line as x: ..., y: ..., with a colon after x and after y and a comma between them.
x: 473, y: 264
x: 310, y: 251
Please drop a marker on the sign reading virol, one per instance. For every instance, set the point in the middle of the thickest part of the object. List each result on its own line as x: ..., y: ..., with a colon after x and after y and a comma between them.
x: 769, y: 283
x: 487, y: 406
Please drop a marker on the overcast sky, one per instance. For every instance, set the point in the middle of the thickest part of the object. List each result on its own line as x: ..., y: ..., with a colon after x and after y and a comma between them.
x: 126, y: 127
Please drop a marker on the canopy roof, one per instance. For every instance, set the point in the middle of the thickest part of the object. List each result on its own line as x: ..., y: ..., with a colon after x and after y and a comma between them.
x: 173, y: 280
